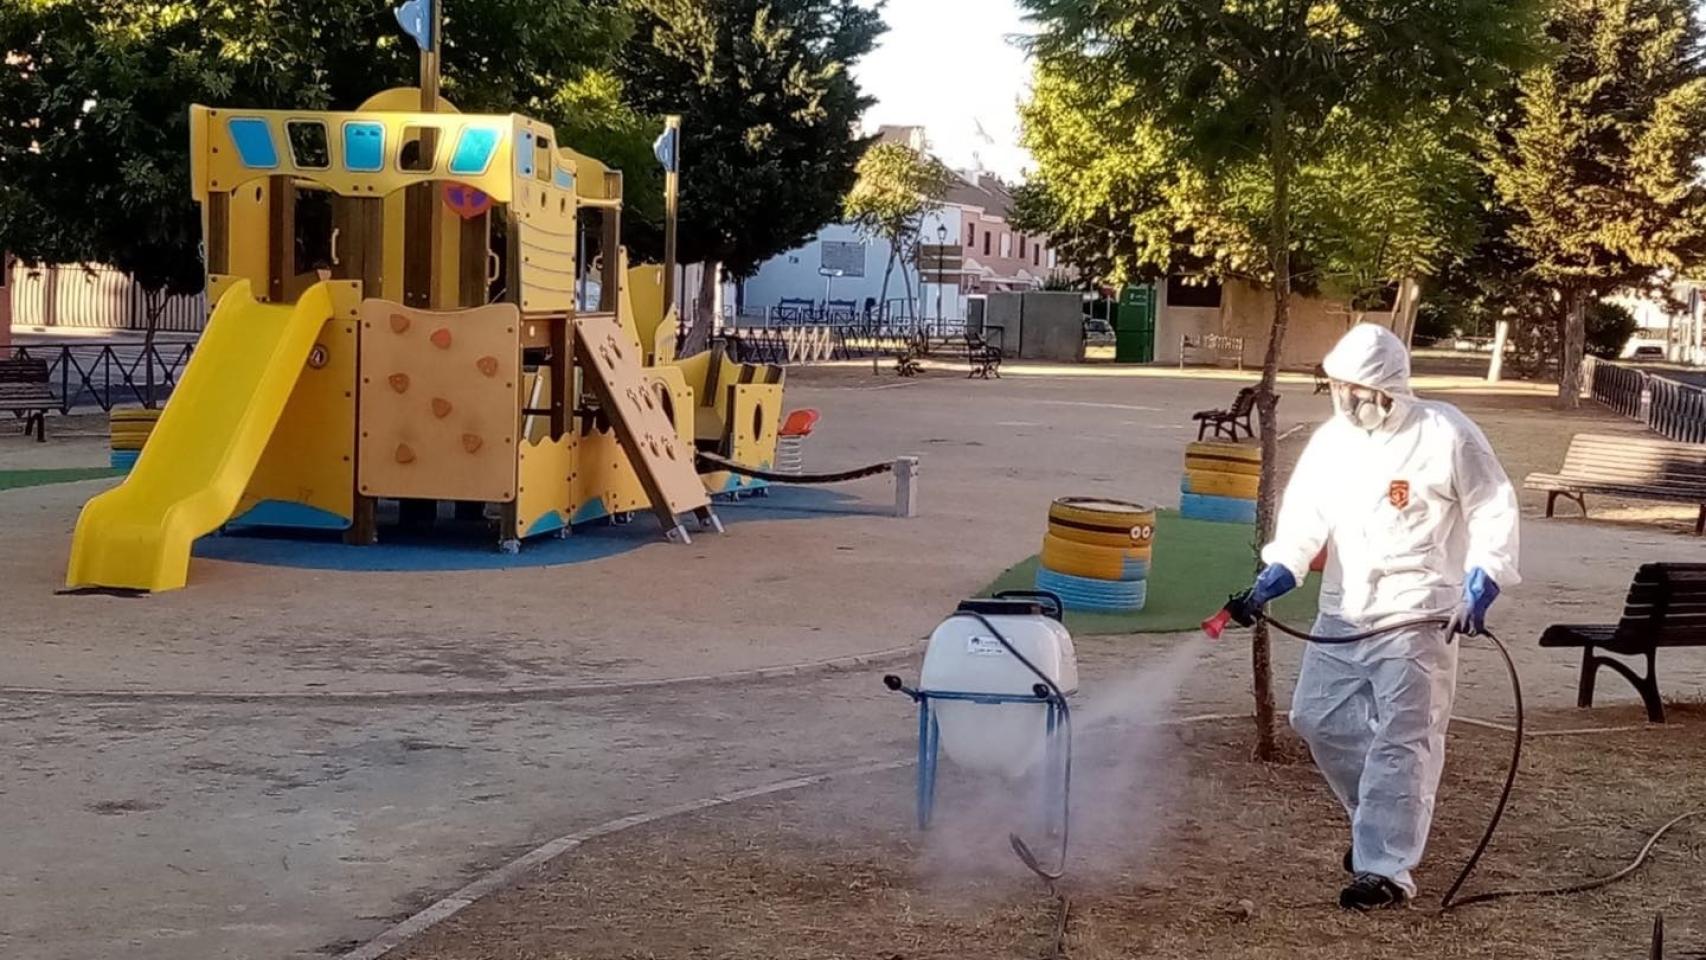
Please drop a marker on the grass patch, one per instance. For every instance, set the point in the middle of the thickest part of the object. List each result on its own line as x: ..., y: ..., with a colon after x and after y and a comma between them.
x: 16, y: 479
x: 1196, y: 565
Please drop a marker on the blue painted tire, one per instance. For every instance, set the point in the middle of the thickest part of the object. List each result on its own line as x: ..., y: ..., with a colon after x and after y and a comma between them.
x: 1196, y: 506
x: 124, y: 459
x: 1102, y: 596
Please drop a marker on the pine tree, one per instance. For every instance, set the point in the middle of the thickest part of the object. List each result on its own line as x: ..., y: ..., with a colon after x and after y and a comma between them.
x: 1600, y: 163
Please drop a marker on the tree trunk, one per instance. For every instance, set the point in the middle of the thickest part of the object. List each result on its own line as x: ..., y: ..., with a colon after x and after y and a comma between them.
x: 1573, y: 343
x: 911, y: 298
x: 697, y: 337
x: 153, y: 303
x: 883, y: 297
x: 1279, y: 243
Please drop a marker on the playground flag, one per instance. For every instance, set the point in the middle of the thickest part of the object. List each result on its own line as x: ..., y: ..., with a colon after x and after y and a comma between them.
x: 415, y: 16
x: 665, y: 149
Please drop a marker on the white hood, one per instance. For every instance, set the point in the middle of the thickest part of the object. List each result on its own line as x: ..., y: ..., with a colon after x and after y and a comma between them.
x: 1370, y: 356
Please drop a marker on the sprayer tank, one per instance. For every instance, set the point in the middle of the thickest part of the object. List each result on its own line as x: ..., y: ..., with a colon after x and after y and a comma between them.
x: 965, y: 657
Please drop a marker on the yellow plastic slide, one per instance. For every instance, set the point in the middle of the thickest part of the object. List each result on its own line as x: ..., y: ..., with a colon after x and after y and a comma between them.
x: 210, y: 436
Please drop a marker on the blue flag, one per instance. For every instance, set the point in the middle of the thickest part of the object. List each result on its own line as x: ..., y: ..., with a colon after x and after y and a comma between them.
x: 416, y: 19
x: 665, y: 149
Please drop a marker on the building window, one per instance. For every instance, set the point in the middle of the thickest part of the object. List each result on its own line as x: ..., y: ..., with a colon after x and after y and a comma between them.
x: 1006, y: 245
x: 971, y: 234
x: 1037, y: 258
x: 1021, y: 246
x: 986, y: 243
x: 1053, y: 260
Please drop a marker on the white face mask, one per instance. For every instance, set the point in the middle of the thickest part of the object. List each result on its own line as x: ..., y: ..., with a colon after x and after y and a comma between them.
x: 1364, y: 407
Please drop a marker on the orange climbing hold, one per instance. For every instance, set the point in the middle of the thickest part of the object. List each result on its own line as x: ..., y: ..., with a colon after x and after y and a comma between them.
x: 472, y: 443
x: 488, y: 366
x: 399, y: 323
x: 441, y: 338
x: 440, y: 407
x: 405, y: 453
x: 400, y: 382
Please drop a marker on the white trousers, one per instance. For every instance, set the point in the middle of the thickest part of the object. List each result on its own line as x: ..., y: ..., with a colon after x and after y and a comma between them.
x: 1375, y: 719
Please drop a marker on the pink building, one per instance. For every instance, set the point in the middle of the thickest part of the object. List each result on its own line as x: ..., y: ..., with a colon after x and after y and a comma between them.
x: 997, y: 257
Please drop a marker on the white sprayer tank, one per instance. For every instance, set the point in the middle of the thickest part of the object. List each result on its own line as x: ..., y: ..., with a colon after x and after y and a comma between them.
x: 964, y: 656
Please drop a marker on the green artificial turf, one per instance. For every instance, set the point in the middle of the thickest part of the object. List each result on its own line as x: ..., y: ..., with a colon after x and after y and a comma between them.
x: 1194, y: 566
x: 14, y: 479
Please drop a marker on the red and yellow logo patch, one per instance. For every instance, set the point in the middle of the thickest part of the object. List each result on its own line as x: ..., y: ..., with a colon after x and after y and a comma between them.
x: 1399, y: 493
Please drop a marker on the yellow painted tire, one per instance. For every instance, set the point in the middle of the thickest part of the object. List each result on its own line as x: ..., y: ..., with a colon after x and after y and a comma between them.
x: 1096, y: 563
x: 1240, y: 458
x: 1110, y: 523
x: 1213, y: 483
x: 134, y: 416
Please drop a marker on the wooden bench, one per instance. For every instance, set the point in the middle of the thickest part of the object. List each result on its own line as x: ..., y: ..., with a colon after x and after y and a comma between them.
x: 1633, y: 467
x: 1225, y: 423
x: 1666, y: 608
x: 24, y: 392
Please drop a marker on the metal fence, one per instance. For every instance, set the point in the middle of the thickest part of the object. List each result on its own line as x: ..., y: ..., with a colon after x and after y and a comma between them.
x: 88, y: 296
x: 106, y: 375
x: 1670, y: 408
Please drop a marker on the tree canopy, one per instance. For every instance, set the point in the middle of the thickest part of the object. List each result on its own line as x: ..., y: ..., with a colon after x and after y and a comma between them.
x: 1599, y: 163
x: 769, y: 108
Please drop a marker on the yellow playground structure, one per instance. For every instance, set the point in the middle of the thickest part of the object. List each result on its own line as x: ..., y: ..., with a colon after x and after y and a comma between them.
x: 420, y: 307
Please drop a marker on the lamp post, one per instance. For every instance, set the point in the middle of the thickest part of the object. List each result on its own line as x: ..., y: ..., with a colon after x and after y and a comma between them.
x: 941, y: 267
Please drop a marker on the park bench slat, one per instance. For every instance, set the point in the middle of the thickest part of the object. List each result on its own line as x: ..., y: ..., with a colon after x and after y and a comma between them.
x: 1666, y: 607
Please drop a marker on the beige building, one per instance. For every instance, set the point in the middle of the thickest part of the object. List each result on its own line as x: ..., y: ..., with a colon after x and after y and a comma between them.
x: 1190, y: 316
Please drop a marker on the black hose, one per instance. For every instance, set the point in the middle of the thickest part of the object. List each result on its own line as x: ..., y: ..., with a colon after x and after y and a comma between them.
x: 772, y: 476
x: 1020, y: 848
x: 1451, y: 901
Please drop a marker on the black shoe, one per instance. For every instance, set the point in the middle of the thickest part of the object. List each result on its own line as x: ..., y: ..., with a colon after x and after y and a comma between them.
x: 1370, y: 891
x: 1349, y: 866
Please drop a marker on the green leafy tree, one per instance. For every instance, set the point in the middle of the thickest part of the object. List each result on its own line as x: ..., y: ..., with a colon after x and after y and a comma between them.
x: 1250, y: 96
x: 896, y: 187
x: 768, y: 107
x: 1601, y: 163
x: 95, y: 95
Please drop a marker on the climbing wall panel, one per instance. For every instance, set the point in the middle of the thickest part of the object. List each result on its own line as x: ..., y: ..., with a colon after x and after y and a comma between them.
x: 440, y: 402
x: 645, y: 426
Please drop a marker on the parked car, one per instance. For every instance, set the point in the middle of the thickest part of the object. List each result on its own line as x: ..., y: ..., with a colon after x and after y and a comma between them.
x: 1648, y: 352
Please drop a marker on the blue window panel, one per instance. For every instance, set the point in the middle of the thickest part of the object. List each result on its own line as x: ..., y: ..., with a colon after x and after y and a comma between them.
x: 364, y: 147
x: 474, y: 150
x: 524, y: 154
x: 563, y: 178
x: 253, y: 139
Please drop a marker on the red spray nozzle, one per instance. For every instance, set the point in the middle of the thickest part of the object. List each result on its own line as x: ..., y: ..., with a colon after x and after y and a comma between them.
x: 1216, y: 625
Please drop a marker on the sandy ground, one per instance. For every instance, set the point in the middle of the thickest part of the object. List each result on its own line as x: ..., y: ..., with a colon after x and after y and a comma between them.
x: 1219, y: 857
x: 204, y: 824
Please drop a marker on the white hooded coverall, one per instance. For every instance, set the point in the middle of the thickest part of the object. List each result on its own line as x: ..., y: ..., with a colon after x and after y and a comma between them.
x: 1407, y: 509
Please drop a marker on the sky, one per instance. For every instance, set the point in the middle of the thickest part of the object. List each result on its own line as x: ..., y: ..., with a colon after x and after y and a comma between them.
x: 948, y: 66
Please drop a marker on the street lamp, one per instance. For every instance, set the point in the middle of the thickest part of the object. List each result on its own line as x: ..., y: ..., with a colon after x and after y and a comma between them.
x: 941, y: 267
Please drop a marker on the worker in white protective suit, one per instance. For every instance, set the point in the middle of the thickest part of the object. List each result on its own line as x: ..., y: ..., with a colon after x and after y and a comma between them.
x: 1420, y: 520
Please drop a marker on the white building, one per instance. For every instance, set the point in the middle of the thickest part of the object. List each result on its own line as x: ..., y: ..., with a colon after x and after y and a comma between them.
x: 1676, y: 326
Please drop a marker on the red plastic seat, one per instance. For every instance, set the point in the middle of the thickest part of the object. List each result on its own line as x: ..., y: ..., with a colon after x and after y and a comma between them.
x: 799, y: 423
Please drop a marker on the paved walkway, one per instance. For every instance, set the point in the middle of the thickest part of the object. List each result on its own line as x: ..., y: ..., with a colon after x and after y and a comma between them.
x: 149, y: 827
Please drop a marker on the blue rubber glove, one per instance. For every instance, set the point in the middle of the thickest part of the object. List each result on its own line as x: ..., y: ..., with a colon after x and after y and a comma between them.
x: 1274, y: 582
x: 1479, y: 592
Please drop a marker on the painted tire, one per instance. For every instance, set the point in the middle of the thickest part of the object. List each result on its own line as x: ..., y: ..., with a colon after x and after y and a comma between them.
x: 1100, y: 596
x: 1241, y: 458
x: 1096, y: 563
x: 1239, y: 486
x: 133, y: 416
x: 1193, y: 506
x: 123, y: 459
x: 1102, y: 523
